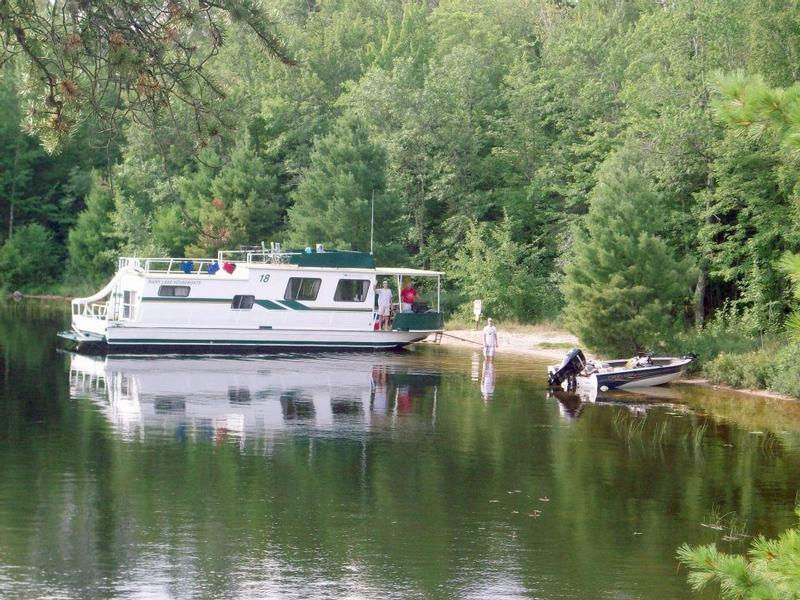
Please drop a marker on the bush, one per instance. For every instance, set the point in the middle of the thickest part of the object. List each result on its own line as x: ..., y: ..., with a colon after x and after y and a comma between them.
x: 753, y: 370
x: 710, y: 343
x: 725, y: 368
x: 776, y: 371
x: 786, y: 379
x: 29, y: 260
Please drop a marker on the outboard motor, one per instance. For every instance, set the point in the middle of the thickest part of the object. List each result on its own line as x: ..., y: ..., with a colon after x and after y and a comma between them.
x: 573, y: 363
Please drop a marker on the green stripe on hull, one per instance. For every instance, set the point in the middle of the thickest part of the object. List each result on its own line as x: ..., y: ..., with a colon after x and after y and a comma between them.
x: 294, y: 304
x: 207, y: 300
x: 270, y: 305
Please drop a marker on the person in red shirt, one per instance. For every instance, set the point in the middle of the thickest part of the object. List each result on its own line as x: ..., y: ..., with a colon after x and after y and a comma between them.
x: 408, y: 296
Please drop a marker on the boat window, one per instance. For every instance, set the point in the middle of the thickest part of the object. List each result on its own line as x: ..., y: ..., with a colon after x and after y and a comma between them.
x: 243, y: 302
x: 128, y: 304
x: 178, y: 291
x: 302, y: 288
x: 351, y: 290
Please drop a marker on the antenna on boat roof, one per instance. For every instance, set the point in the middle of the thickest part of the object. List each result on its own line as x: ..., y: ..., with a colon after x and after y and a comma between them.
x: 372, y: 222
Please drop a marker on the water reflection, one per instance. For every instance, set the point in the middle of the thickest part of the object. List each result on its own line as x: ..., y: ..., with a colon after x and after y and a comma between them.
x: 487, y: 380
x: 222, y: 398
x: 364, y: 475
x: 637, y: 401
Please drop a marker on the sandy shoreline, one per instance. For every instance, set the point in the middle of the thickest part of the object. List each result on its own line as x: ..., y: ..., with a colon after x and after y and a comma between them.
x: 545, y: 343
x: 538, y: 343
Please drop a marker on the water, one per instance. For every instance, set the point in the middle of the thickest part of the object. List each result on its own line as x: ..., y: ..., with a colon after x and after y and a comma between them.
x: 399, y: 475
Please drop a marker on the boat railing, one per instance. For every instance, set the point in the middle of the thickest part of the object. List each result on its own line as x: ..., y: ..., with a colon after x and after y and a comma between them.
x: 261, y: 257
x: 167, y: 265
x: 188, y: 266
x: 93, y: 310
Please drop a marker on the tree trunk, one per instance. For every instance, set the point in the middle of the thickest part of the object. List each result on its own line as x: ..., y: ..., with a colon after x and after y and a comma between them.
x: 13, y: 192
x: 702, y: 278
x: 700, y: 295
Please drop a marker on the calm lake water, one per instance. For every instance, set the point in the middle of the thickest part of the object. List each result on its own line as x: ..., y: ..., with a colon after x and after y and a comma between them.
x: 416, y: 474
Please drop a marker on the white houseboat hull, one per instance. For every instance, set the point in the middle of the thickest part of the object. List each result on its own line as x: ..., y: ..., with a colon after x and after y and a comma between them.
x: 224, y: 339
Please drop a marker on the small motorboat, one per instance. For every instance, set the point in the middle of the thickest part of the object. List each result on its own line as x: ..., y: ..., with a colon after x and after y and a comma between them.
x: 643, y: 370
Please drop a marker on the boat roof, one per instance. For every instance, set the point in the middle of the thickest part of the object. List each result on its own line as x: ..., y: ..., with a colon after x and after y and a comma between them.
x: 409, y: 272
x: 337, y: 259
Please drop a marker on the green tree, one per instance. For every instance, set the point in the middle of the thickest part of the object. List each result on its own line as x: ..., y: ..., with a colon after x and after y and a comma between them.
x: 749, y: 104
x: 791, y: 264
x: 506, y: 275
x: 667, y: 90
x: 624, y: 290
x: 769, y: 573
x: 29, y: 260
x: 19, y: 155
x: 333, y: 200
x: 227, y: 202
x: 744, y: 231
x: 91, y: 248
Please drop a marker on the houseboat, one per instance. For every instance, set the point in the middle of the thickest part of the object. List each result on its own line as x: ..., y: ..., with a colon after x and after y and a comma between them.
x: 251, y: 300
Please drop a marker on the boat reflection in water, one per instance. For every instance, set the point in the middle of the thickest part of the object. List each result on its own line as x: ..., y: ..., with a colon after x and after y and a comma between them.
x: 637, y: 401
x: 220, y: 398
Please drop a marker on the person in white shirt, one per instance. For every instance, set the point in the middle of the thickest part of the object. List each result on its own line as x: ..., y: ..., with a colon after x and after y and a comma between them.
x: 384, y: 304
x: 489, y: 340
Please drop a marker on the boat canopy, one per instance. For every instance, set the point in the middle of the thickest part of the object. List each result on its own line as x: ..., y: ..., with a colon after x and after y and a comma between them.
x: 399, y: 272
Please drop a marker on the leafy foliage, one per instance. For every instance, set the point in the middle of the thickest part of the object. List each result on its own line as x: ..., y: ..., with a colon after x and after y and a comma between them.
x: 504, y: 274
x: 463, y: 117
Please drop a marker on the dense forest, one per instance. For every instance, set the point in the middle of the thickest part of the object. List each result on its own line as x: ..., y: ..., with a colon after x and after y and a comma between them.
x: 525, y: 147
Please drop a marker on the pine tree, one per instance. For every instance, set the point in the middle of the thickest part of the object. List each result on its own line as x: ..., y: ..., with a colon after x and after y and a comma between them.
x: 29, y: 259
x: 91, y: 247
x: 625, y: 288
x: 791, y: 264
x: 332, y: 202
x: 770, y: 572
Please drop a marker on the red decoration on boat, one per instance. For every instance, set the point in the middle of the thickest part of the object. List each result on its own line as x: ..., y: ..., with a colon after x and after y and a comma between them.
x: 228, y: 267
